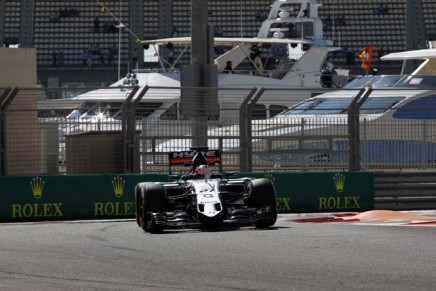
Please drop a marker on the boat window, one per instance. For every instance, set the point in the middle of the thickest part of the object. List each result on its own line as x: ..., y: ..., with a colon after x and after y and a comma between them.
x: 259, y: 111
x: 308, y: 104
x: 338, y: 105
x: 320, y: 106
x: 379, y: 105
x: 331, y: 106
x: 417, y: 81
x: 276, y: 109
x: 422, y: 108
x: 394, y: 81
x: 358, y: 82
x: 386, y: 81
x: 382, y: 81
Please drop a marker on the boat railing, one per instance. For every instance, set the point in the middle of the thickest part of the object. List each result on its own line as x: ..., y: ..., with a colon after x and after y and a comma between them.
x: 328, y: 79
x: 263, y: 73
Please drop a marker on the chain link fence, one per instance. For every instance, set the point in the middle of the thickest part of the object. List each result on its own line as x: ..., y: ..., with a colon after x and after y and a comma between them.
x: 132, y: 129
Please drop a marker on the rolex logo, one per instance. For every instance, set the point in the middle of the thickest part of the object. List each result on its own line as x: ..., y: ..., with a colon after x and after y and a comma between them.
x: 339, y: 180
x: 118, y: 185
x: 37, y: 185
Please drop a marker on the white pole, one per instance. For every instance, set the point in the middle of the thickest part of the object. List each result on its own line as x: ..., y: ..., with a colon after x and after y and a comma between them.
x: 119, y: 53
x: 119, y: 44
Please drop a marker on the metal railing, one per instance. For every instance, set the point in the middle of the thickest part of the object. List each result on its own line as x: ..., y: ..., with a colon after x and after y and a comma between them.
x: 405, y: 190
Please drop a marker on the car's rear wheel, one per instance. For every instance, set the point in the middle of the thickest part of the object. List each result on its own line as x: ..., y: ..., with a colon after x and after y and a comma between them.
x: 263, y: 194
x: 152, y: 200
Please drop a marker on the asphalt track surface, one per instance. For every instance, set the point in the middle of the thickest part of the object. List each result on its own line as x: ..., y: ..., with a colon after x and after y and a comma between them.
x: 118, y: 255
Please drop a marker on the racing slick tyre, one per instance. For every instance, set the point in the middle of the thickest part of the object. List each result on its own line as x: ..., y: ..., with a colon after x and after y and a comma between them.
x: 152, y: 199
x: 138, y: 203
x: 263, y: 194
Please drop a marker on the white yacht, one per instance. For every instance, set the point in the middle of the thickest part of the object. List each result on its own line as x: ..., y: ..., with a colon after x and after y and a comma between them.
x: 397, y: 122
x: 290, y: 23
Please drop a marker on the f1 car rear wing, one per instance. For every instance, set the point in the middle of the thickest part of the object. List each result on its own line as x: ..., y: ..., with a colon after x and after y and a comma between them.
x: 185, y: 157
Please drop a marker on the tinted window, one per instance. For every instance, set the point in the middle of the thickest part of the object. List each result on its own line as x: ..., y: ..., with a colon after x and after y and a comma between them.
x: 379, y: 105
x: 382, y: 81
x: 331, y: 106
x: 320, y: 106
x: 258, y: 111
x: 386, y: 81
x: 304, y: 106
x: 394, y: 81
x: 340, y: 106
x: 276, y: 109
x: 359, y: 82
x: 422, y: 108
x: 417, y: 81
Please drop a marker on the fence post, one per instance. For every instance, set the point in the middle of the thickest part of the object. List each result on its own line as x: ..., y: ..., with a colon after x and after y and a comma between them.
x: 245, y: 130
x: 129, y: 128
x: 425, y: 158
x: 354, y: 127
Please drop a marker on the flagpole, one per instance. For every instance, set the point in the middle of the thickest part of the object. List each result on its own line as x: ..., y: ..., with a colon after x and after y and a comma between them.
x: 119, y: 26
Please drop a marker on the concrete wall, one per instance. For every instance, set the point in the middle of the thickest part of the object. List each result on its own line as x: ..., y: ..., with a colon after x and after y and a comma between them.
x: 18, y: 67
x: 23, y: 148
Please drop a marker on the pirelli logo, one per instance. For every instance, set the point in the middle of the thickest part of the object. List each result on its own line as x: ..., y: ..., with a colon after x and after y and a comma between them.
x: 183, y: 157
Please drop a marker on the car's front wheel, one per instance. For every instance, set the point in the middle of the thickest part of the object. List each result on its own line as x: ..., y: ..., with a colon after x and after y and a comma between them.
x: 263, y: 195
x: 152, y: 199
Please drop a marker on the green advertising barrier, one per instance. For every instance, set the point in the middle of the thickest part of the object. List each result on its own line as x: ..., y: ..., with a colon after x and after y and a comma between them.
x: 112, y: 196
x: 322, y: 192
x: 69, y: 197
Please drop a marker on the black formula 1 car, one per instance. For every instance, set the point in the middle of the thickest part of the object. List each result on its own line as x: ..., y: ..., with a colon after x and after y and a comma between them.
x: 202, y: 199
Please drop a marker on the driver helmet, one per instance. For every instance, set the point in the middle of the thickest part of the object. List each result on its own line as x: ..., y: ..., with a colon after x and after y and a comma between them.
x: 204, y: 170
